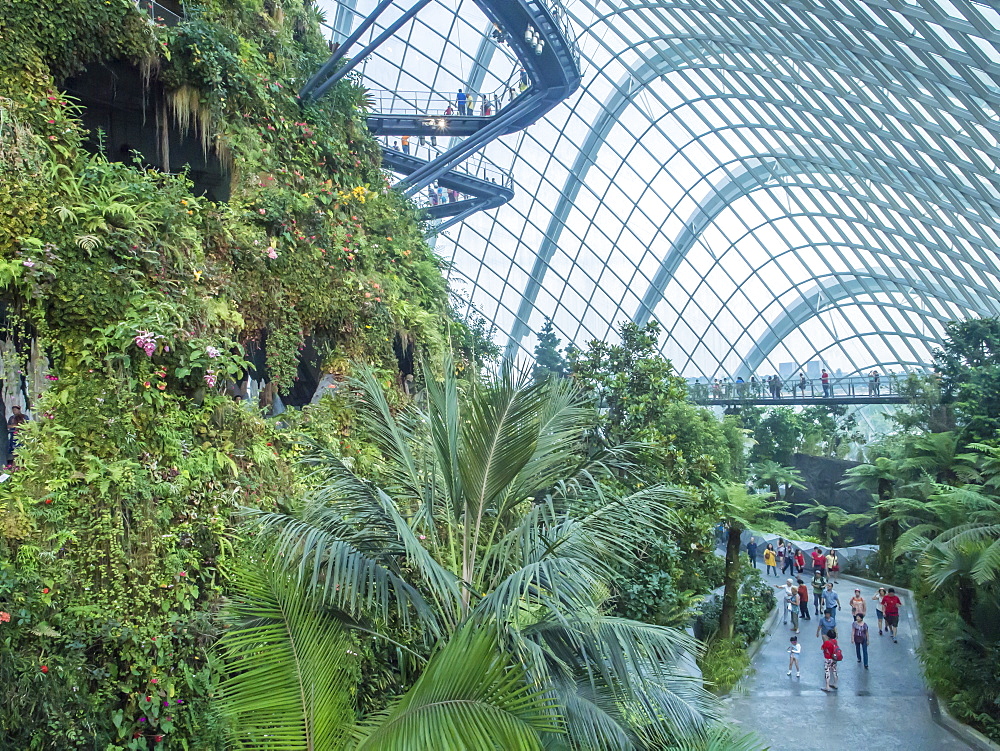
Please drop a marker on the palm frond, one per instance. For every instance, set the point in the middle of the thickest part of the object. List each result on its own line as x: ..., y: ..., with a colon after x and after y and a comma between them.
x: 290, y: 670
x: 470, y: 696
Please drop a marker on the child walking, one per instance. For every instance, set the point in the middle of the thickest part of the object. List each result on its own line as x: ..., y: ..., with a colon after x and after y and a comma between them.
x: 794, y: 650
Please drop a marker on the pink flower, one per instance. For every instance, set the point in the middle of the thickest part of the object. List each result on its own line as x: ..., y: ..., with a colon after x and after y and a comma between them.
x: 4, y: 617
x: 212, y: 352
x: 210, y: 378
x: 29, y: 264
x: 272, y: 253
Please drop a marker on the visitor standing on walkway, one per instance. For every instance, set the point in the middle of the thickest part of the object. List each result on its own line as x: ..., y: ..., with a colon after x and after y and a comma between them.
x: 819, y: 561
x: 461, y: 100
x: 831, y: 656
x: 803, y: 599
x: 859, y: 634
x: 890, y: 606
x: 781, y: 554
x: 858, y: 604
x: 794, y: 650
x: 405, y: 140
x: 802, y: 384
x: 827, y: 623
x: 770, y: 560
x: 752, y: 552
x: 831, y: 600
x: 818, y: 585
x: 878, y: 607
x: 789, y: 564
x: 788, y: 587
x: 824, y: 379
x: 800, y: 561
x: 793, y: 603
x: 832, y: 565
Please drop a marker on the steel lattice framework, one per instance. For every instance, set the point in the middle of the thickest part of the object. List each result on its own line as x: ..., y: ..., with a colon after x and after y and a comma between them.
x: 772, y: 180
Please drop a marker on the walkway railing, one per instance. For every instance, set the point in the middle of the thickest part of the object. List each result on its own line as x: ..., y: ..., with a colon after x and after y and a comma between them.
x: 773, y: 387
x: 159, y: 13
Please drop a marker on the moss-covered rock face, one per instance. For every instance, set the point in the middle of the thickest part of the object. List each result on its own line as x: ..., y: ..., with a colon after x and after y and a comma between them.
x: 129, y: 302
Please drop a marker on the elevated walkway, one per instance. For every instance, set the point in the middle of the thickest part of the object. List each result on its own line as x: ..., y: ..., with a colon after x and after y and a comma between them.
x: 483, y: 194
x: 791, y: 402
x: 538, y: 35
x: 844, y: 390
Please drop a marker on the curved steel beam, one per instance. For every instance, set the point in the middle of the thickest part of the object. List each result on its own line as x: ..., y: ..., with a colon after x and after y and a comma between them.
x: 610, y: 113
x: 808, y: 307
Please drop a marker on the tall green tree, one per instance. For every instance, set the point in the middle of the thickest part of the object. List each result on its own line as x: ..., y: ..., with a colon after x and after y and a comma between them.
x: 741, y: 510
x: 777, y: 435
x: 490, y: 516
x: 878, y: 478
x: 549, y: 362
x: 969, y: 363
x: 828, y: 522
x: 780, y: 480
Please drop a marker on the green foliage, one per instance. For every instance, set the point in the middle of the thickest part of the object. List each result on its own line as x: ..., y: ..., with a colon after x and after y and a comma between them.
x: 493, y: 516
x: 969, y: 364
x: 549, y: 362
x: 724, y: 663
x: 643, y: 399
x: 960, y: 664
x: 756, y: 601
x: 297, y: 668
x: 827, y: 526
x: 131, y: 301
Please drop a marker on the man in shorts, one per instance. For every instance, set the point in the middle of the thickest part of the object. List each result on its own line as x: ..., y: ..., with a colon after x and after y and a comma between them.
x: 890, y: 607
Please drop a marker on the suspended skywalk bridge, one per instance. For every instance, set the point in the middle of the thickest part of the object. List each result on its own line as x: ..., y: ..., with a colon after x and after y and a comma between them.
x: 848, y: 390
x: 466, y: 190
x: 536, y: 32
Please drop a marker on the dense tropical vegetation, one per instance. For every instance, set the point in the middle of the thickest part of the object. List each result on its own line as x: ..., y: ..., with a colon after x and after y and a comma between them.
x: 936, y: 488
x: 437, y: 552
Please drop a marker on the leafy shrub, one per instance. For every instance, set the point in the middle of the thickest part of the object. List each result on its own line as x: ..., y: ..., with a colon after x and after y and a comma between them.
x: 725, y: 661
x: 756, y: 600
x: 960, y: 664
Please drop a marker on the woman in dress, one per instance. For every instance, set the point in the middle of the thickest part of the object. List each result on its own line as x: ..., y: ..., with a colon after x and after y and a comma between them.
x: 832, y: 564
x: 770, y: 560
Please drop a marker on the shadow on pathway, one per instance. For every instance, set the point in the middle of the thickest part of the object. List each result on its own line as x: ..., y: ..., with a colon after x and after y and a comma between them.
x: 886, y: 706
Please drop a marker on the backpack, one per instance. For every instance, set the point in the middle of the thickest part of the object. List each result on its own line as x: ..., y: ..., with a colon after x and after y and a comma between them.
x: 837, y: 654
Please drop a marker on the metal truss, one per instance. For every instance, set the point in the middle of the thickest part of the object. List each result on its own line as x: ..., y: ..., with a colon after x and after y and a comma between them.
x: 774, y: 181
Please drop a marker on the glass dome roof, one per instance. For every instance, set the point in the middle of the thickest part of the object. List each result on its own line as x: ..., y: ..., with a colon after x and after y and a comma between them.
x: 774, y: 181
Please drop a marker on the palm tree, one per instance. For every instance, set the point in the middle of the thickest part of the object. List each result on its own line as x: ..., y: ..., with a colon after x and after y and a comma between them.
x: 490, y: 517
x: 779, y: 479
x: 878, y: 479
x: 296, y: 668
x: 956, y: 534
x: 828, y: 521
x: 741, y: 510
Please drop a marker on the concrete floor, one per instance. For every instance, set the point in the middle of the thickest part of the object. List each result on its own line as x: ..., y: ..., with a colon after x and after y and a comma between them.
x: 886, y: 706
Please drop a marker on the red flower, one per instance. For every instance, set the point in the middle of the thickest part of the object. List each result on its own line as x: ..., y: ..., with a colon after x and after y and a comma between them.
x: 4, y: 617
x: 45, y: 668
x: 45, y: 590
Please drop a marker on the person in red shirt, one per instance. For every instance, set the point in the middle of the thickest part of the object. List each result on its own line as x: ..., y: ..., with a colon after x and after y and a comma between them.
x: 830, y: 661
x: 890, y: 607
x: 803, y: 600
x: 800, y: 561
x: 819, y: 560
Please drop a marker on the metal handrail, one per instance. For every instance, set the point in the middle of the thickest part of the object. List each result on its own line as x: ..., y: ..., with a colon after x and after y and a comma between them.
x: 858, y: 387
x: 558, y: 12
x: 159, y: 14
x: 430, y: 104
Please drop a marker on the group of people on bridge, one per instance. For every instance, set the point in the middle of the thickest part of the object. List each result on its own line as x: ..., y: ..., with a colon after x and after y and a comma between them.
x: 775, y: 387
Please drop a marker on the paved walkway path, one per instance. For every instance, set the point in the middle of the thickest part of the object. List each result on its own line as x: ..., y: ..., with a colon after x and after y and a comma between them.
x: 886, y: 706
